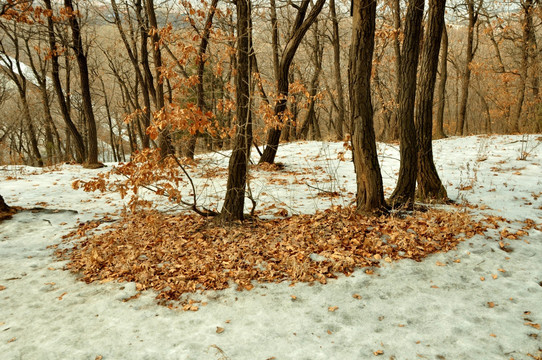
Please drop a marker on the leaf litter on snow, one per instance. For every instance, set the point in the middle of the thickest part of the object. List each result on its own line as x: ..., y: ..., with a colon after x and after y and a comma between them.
x: 179, y: 254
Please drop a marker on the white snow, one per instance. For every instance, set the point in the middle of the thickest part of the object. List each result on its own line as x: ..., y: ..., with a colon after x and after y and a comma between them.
x: 407, y: 310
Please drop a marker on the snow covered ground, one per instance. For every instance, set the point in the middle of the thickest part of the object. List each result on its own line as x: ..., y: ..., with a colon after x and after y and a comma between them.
x: 478, y: 302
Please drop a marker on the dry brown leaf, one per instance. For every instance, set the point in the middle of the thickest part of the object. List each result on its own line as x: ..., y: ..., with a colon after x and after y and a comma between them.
x: 357, y: 296
x: 329, y: 332
x: 192, y: 253
x: 491, y: 304
x: 293, y: 297
x: 536, y: 326
x: 494, y: 276
x: 219, y: 330
x: 440, y: 264
x: 12, y: 340
x: 378, y: 352
x: 61, y: 296
x: 492, y: 335
x: 2, y: 287
x: 332, y: 308
x: 482, y: 278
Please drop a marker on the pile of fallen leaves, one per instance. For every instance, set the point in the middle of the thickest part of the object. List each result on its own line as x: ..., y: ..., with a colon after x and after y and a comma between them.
x: 186, y: 253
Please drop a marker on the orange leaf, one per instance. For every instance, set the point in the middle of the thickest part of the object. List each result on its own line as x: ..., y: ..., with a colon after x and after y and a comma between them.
x: 378, y: 352
x: 536, y: 326
x: 332, y: 308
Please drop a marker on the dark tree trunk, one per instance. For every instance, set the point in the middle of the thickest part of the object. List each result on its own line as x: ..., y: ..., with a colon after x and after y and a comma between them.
x: 526, y: 44
x: 133, y: 56
x: 311, y: 120
x: 3, y: 206
x: 200, y: 95
x: 430, y: 187
x: 234, y: 202
x: 340, y: 123
x: 164, y: 141
x: 300, y: 27
x: 438, y: 128
x: 370, y: 192
x: 404, y: 192
x: 81, y: 57
x: 392, y: 127
x: 465, y: 83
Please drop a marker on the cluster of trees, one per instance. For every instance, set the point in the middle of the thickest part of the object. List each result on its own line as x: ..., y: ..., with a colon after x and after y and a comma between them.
x: 80, y: 80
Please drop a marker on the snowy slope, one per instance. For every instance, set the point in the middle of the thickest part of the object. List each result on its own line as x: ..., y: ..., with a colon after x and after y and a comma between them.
x: 407, y: 310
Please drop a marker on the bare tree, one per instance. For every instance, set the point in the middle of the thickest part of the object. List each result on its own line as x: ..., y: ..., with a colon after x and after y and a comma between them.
x: 299, y: 28
x: 234, y: 202
x: 403, y: 195
x: 370, y: 192
x: 430, y: 187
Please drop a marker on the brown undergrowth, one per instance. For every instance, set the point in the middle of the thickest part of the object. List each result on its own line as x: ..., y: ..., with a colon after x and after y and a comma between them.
x: 178, y: 254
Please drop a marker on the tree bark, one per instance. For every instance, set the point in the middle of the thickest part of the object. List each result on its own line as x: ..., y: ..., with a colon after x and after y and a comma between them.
x: 370, y: 192
x: 430, y: 187
x: 465, y: 83
x: 392, y: 127
x: 166, y: 147
x: 3, y: 206
x: 81, y: 57
x: 300, y: 27
x: 200, y: 95
x: 234, y: 202
x: 403, y: 195
x: 526, y: 44
x: 340, y: 122
x: 438, y: 128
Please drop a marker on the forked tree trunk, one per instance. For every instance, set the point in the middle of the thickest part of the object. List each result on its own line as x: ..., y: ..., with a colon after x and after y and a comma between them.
x: 80, y: 149
x: 403, y: 195
x: 370, y: 192
x: 234, y: 202
x: 200, y: 95
x: 81, y: 57
x: 300, y: 27
x: 430, y: 187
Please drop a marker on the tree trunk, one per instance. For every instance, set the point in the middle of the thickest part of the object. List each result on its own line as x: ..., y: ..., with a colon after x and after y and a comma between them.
x: 438, y: 128
x: 403, y: 195
x: 370, y: 192
x: 3, y: 206
x: 473, y: 19
x: 81, y: 57
x: 164, y: 141
x: 430, y: 187
x: 200, y: 99
x: 340, y: 123
x: 234, y: 202
x: 300, y: 27
x: 392, y: 128
x: 526, y: 43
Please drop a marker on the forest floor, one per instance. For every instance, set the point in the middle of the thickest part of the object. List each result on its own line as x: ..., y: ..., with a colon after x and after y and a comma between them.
x: 416, y: 291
